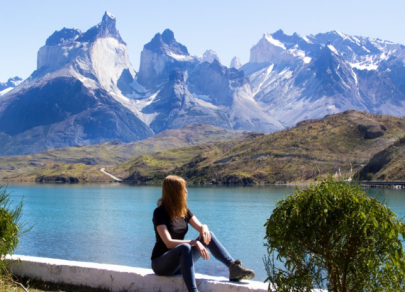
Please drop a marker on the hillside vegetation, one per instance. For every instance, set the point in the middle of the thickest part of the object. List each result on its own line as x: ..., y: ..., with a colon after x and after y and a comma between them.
x: 83, y: 163
x: 389, y: 164
x: 342, y: 144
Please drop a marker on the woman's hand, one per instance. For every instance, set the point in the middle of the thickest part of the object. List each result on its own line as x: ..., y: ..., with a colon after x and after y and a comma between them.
x: 205, y: 235
x: 203, y: 251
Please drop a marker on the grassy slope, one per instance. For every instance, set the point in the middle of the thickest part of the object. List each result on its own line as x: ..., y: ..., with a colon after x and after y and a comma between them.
x: 294, y: 155
x: 84, y: 162
x: 157, y: 166
x: 387, y: 165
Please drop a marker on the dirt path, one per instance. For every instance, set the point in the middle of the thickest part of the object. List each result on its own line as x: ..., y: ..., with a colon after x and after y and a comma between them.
x: 113, y: 177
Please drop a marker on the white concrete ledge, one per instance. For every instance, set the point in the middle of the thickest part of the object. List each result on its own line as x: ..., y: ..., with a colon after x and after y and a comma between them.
x: 120, y: 278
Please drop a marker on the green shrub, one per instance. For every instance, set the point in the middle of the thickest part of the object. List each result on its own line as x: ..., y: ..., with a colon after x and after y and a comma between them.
x: 10, y: 227
x: 332, y: 236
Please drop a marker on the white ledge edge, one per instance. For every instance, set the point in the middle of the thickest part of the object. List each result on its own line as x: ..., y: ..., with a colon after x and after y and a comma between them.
x: 120, y: 278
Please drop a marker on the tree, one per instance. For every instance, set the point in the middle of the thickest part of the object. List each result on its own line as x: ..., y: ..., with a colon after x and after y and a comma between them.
x: 10, y: 226
x: 332, y: 236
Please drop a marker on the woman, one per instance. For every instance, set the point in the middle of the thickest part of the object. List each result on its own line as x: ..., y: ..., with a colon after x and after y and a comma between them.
x: 173, y: 254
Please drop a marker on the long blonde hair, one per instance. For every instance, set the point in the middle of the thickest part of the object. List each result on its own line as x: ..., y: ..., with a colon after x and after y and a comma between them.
x: 174, y: 199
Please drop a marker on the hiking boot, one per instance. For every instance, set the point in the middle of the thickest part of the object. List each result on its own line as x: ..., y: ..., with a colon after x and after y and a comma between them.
x: 238, y: 272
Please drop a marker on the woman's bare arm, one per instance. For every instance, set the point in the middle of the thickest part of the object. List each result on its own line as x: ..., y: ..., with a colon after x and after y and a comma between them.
x: 202, y: 228
x: 171, y: 243
x: 167, y: 238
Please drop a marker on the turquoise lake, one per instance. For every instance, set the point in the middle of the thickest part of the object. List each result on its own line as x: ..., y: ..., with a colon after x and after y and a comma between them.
x: 112, y: 223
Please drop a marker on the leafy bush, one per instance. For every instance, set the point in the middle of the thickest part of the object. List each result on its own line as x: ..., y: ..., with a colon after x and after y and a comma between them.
x: 332, y: 236
x: 10, y: 227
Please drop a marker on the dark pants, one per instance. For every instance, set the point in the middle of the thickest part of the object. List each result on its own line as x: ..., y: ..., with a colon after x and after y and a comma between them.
x: 181, y: 260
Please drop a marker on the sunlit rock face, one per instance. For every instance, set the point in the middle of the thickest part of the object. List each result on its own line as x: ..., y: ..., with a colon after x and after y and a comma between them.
x: 98, y: 55
x: 161, y: 55
x: 267, y: 49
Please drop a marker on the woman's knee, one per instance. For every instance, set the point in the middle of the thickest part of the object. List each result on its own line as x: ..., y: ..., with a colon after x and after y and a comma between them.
x: 184, y: 247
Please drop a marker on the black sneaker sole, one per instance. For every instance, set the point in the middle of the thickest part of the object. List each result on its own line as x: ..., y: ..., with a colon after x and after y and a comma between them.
x: 244, y: 277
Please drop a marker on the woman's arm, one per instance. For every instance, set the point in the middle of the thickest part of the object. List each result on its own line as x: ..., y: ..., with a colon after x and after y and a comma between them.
x: 171, y: 243
x: 202, y: 228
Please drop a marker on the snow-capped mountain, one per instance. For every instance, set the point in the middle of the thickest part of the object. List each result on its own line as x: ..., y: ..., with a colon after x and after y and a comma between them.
x: 85, y: 90
x: 75, y: 96
x: 9, y: 85
x: 180, y: 89
x: 295, y: 78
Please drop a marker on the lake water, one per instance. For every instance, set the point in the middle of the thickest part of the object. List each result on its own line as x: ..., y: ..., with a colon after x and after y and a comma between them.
x: 112, y: 223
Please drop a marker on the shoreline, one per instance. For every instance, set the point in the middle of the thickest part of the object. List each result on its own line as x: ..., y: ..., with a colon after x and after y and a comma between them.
x: 364, y: 184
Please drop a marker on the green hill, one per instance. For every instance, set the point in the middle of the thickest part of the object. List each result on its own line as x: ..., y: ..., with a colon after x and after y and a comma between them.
x: 387, y: 165
x: 84, y: 162
x: 342, y: 143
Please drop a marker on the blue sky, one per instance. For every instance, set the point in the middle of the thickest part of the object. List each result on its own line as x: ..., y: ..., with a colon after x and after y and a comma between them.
x: 229, y: 27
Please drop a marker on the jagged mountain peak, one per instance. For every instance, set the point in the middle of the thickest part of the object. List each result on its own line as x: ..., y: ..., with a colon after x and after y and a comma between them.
x: 166, y: 43
x: 106, y: 28
x: 68, y: 49
x: 281, y: 36
x: 14, y: 81
x: 235, y: 63
x: 158, y: 57
x: 108, y: 16
x: 271, y: 40
x: 168, y: 36
x: 294, y: 41
x: 62, y: 36
x: 266, y: 50
x: 285, y: 38
x: 209, y: 56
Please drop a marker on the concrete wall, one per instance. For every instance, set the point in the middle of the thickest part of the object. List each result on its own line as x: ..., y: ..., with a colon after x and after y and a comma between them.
x: 121, y: 278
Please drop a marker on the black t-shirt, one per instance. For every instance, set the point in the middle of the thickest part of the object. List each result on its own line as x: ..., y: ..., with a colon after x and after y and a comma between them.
x: 177, y: 228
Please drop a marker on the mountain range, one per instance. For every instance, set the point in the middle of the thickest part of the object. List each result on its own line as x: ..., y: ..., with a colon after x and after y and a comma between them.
x: 85, y: 90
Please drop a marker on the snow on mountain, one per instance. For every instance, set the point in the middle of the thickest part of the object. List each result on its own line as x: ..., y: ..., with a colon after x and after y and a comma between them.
x: 11, y: 83
x: 174, y: 106
x: 235, y: 63
x: 266, y: 50
x: 209, y: 56
x: 295, y: 78
x: 4, y: 91
x: 361, y: 52
x: 207, y: 91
